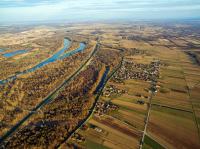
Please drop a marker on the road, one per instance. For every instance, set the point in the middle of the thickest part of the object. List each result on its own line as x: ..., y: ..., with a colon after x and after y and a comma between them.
x: 147, y: 119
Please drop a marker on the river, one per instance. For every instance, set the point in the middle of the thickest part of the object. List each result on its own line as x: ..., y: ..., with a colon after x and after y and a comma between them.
x: 58, y: 55
x: 11, y: 54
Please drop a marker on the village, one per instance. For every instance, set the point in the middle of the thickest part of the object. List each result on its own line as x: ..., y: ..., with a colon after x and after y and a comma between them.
x: 131, y: 70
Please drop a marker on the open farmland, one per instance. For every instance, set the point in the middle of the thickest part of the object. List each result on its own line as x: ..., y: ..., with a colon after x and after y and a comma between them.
x: 100, y: 86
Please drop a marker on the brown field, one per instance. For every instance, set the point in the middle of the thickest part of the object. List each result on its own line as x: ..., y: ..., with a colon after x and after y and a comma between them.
x: 165, y: 122
x: 129, y: 105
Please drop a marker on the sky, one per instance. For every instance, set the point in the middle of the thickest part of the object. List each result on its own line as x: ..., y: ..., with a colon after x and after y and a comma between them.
x: 96, y: 10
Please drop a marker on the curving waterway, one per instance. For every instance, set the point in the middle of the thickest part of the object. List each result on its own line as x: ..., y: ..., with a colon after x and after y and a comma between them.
x: 11, y: 54
x: 61, y: 54
x: 79, y: 49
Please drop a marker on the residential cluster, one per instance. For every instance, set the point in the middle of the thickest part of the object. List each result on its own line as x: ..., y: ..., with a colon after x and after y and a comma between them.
x: 113, y: 90
x: 104, y: 107
x: 132, y: 70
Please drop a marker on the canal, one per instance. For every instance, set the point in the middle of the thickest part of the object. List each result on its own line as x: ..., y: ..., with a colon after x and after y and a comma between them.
x: 101, y: 83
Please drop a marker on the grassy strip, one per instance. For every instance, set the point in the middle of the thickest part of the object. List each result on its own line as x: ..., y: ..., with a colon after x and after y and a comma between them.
x: 171, y: 107
x: 93, y: 145
x: 151, y: 144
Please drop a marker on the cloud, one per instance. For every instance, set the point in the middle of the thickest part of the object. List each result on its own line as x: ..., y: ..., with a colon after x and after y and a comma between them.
x: 33, y: 10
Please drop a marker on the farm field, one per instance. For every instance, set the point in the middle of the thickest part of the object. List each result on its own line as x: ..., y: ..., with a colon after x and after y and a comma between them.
x: 173, y: 106
x: 111, y: 86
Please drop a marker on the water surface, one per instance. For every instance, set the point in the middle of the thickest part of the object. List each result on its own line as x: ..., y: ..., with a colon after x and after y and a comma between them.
x: 61, y: 54
x: 103, y: 79
x: 11, y: 54
x: 79, y: 49
x: 51, y: 59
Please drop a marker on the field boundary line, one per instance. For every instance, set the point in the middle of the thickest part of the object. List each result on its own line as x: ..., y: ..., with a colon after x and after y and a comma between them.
x: 190, y: 100
x: 165, y: 106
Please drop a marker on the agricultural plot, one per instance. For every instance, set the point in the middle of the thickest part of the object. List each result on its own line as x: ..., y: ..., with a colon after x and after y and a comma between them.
x: 172, y: 128
x: 172, y: 90
x: 122, y: 127
x: 130, y: 111
x: 174, y: 111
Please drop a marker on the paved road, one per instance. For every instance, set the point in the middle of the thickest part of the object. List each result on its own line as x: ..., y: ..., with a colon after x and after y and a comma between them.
x: 147, y: 119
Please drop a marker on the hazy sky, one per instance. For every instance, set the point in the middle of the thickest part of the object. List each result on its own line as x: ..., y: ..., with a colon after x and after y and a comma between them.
x: 94, y: 10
